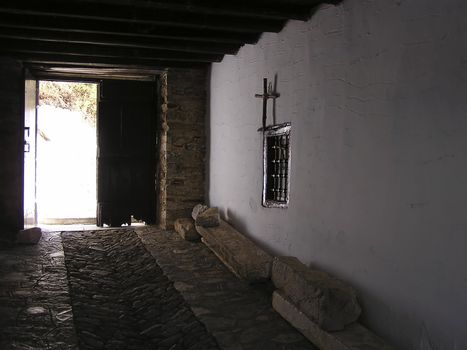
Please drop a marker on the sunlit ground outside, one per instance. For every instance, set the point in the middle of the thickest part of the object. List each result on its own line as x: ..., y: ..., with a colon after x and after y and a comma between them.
x: 66, y: 160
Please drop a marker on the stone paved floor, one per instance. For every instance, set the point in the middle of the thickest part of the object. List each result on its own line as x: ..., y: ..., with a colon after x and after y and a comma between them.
x: 35, y: 309
x: 240, y: 316
x: 123, y: 299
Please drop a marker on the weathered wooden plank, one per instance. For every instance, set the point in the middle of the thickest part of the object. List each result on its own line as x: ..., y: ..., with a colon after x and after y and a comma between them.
x: 250, y: 9
x: 89, y: 61
x: 60, y: 71
x: 131, y: 30
x: 121, y: 13
x: 116, y: 40
x: 126, y: 161
x: 139, y: 33
x: 309, y: 3
x: 140, y: 54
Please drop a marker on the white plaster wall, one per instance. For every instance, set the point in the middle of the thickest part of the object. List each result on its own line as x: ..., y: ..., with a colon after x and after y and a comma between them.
x: 376, y: 92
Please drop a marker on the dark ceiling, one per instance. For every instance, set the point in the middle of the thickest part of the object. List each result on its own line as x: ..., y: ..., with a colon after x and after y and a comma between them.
x: 83, y: 35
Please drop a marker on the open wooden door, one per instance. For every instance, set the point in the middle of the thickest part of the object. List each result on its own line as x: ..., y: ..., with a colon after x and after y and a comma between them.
x: 30, y: 123
x: 126, y: 152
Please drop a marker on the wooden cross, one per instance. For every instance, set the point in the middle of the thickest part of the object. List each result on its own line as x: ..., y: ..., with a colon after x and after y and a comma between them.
x: 267, y: 94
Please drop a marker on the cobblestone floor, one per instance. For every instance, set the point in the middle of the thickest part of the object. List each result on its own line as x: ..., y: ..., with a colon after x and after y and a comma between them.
x: 240, y: 316
x: 123, y: 299
x: 35, y: 309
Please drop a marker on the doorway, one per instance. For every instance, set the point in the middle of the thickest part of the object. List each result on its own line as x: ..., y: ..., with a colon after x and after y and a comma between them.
x: 91, y: 155
x: 65, y: 152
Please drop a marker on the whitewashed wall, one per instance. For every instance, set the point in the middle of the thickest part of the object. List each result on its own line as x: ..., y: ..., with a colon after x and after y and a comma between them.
x: 376, y: 92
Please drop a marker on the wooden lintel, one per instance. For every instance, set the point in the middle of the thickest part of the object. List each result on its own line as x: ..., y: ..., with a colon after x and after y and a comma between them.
x: 85, y: 61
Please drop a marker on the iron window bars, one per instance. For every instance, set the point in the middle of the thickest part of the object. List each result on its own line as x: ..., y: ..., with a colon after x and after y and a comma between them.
x: 276, y: 166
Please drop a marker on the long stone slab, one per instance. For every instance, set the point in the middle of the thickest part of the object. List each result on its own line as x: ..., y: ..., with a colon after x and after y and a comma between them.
x: 328, y: 301
x: 243, y: 257
x: 352, y: 337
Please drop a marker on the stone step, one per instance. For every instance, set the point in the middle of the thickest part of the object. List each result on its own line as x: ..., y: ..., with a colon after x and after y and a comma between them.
x: 328, y: 301
x: 243, y: 257
x: 352, y: 337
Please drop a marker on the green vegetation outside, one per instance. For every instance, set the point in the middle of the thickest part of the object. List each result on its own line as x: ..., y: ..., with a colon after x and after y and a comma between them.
x: 78, y: 97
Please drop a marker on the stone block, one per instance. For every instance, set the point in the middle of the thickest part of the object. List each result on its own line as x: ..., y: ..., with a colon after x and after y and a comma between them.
x: 352, y: 337
x: 29, y: 236
x: 208, y: 218
x: 328, y: 301
x: 198, y: 209
x: 243, y: 257
x: 186, y: 229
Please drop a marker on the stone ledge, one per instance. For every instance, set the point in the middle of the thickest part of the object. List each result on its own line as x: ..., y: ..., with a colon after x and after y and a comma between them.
x: 353, y: 337
x: 328, y: 301
x: 238, y: 253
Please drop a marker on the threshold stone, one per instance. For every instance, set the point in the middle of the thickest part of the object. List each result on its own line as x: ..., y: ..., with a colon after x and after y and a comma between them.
x: 243, y: 257
x: 186, y: 229
x: 328, y: 301
x: 352, y: 337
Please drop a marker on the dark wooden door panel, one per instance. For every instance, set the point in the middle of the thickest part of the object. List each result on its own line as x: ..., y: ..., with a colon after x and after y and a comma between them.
x: 126, y: 152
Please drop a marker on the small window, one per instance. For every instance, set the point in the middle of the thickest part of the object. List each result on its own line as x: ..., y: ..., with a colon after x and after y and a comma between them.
x: 276, y: 163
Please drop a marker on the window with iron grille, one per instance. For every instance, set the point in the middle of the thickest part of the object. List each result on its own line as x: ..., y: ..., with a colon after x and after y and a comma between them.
x: 276, y: 163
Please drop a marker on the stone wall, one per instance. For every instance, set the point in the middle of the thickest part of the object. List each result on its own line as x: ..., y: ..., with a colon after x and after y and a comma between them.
x: 11, y: 148
x: 182, y: 142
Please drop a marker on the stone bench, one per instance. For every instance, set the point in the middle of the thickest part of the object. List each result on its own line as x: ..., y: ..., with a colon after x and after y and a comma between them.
x: 323, y: 308
x: 328, y: 301
x: 352, y: 337
x: 243, y: 257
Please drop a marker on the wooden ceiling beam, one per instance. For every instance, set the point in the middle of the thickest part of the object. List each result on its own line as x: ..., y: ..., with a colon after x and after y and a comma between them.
x: 53, y: 60
x: 92, y: 51
x: 139, y: 34
x: 92, y: 26
x: 307, y: 3
x: 115, y: 40
x: 248, y: 9
x: 131, y: 14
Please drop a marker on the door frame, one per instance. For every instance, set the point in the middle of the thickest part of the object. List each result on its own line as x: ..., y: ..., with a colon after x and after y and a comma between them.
x: 160, y: 176
x: 29, y: 206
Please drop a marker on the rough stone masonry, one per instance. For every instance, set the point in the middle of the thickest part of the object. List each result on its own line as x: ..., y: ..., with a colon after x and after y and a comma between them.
x: 183, y: 154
